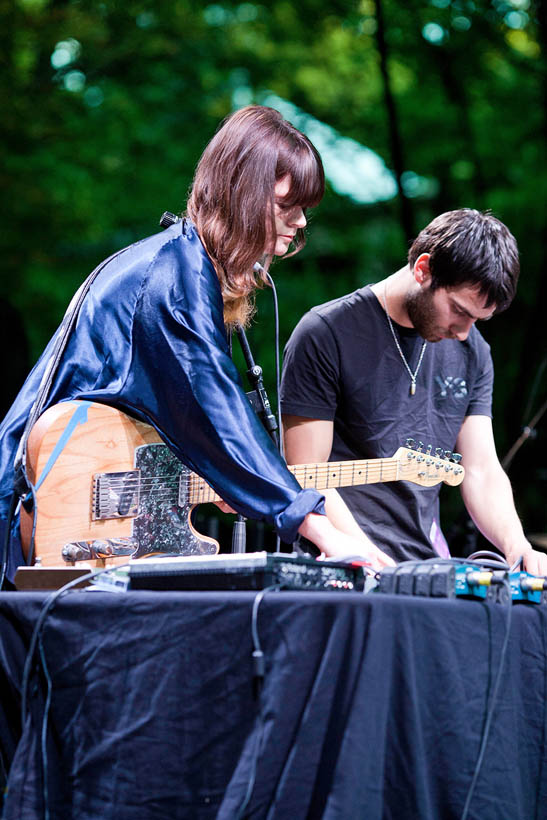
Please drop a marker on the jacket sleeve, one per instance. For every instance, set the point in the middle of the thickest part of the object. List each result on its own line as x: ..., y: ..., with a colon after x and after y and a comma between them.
x: 182, y: 380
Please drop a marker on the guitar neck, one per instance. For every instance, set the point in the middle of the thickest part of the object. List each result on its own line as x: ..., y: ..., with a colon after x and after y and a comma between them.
x: 345, y: 473
x: 317, y: 476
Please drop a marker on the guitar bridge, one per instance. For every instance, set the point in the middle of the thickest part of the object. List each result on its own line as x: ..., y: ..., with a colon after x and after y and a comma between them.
x: 115, y: 495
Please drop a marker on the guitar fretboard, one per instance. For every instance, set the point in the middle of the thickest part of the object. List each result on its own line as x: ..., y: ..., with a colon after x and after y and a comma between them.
x: 318, y: 476
x: 345, y: 473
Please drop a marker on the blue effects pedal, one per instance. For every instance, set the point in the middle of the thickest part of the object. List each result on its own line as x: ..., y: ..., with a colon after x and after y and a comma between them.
x: 450, y: 579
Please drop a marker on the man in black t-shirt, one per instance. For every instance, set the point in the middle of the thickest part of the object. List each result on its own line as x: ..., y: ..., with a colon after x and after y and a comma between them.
x: 402, y: 359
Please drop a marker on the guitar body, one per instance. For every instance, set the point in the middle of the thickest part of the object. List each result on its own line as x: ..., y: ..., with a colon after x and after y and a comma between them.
x: 106, y: 488
x: 71, y: 444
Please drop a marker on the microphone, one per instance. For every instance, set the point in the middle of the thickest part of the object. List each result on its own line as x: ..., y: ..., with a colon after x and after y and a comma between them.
x: 168, y: 219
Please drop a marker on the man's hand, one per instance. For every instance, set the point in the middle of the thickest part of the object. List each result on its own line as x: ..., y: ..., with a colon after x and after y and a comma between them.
x: 534, y: 561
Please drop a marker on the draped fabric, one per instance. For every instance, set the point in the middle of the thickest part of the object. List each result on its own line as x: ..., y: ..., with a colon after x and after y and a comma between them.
x: 150, y: 340
x: 373, y: 707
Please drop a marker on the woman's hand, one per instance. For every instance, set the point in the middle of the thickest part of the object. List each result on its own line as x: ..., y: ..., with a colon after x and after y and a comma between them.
x: 336, y: 544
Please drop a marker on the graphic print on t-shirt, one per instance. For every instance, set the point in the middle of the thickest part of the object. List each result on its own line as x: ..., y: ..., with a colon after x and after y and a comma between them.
x: 454, y: 387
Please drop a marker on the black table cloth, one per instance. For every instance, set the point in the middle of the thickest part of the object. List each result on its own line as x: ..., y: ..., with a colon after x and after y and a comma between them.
x: 372, y: 707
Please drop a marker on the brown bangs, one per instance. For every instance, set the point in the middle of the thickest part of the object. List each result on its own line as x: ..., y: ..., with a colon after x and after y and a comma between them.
x: 305, y: 168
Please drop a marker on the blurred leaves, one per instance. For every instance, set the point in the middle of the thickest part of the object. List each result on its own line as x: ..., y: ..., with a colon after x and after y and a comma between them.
x: 108, y: 105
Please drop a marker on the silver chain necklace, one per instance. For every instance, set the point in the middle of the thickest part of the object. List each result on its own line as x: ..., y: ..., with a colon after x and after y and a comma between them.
x: 401, y: 354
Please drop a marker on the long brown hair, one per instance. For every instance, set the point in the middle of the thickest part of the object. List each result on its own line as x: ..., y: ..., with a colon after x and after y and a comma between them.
x: 232, y: 198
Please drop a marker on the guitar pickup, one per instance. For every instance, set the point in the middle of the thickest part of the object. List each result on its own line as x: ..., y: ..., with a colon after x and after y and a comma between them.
x: 116, y: 495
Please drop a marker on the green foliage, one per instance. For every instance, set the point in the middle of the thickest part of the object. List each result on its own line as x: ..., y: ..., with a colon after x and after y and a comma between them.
x: 108, y: 105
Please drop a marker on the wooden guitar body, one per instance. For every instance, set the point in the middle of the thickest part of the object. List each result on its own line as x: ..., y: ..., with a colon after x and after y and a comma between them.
x: 72, y: 444
x: 107, y: 488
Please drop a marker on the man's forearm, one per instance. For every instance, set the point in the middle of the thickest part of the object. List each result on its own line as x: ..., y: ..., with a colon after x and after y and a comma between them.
x: 489, y: 500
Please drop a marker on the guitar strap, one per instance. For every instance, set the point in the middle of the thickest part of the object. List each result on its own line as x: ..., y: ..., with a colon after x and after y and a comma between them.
x: 22, y: 488
x: 21, y: 484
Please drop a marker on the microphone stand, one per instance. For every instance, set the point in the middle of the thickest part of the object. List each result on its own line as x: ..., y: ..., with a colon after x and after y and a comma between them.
x: 528, y: 431
x: 261, y: 404
x: 258, y: 396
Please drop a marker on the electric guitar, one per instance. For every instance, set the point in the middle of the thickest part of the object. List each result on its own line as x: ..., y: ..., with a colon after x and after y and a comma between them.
x: 105, y: 485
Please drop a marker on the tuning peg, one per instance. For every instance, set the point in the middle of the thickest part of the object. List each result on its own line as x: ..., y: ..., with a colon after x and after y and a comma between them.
x: 457, y: 457
x: 439, y: 452
x: 420, y: 446
x: 428, y: 449
x: 448, y: 454
x: 410, y: 443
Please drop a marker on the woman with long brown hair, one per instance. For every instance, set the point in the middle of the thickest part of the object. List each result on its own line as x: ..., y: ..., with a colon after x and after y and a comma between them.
x: 150, y: 335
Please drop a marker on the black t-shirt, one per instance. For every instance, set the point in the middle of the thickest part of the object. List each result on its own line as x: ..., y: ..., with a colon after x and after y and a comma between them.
x: 341, y: 364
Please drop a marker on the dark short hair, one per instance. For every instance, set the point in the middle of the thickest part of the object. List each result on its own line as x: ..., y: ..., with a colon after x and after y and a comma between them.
x: 469, y: 247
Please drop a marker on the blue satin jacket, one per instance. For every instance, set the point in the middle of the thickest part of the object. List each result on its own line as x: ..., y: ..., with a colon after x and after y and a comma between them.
x: 150, y: 340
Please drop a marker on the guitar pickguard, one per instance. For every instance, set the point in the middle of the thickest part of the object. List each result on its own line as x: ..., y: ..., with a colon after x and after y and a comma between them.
x: 163, y: 522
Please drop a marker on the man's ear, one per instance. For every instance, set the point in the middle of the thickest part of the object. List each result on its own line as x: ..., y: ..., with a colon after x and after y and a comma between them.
x: 421, y: 271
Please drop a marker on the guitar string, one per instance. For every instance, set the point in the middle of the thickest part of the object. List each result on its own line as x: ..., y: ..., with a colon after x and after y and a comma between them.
x: 301, y: 470
x: 176, y: 478
x: 323, y: 474
x: 148, y: 483
x: 174, y: 481
x: 196, y: 486
x: 200, y: 493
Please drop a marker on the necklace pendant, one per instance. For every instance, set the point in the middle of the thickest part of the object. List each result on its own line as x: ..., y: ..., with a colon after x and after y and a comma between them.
x: 412, y: 388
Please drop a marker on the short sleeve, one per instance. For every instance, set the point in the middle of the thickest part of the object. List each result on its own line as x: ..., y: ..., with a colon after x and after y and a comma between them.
x: 311, y: 370
x: 480, y: 403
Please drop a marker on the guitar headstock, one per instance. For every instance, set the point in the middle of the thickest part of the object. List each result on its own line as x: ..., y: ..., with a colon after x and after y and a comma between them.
x: 429, y: 467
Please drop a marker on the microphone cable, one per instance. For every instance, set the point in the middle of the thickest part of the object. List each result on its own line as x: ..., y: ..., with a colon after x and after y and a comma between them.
x: 259, y: 269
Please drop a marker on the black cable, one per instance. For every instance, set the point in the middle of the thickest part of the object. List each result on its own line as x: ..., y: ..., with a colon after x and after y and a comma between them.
x: 277, y: 362
x: 280, y: 443
x: 47, y: 606
x: 491, y: 707
x: 43, y: 737
x: 258, y: 679
x: 495, y: 564
x: 36, y: 638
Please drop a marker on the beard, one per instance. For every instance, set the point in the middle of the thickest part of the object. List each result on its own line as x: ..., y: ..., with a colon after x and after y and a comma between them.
x: 421, y: 312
